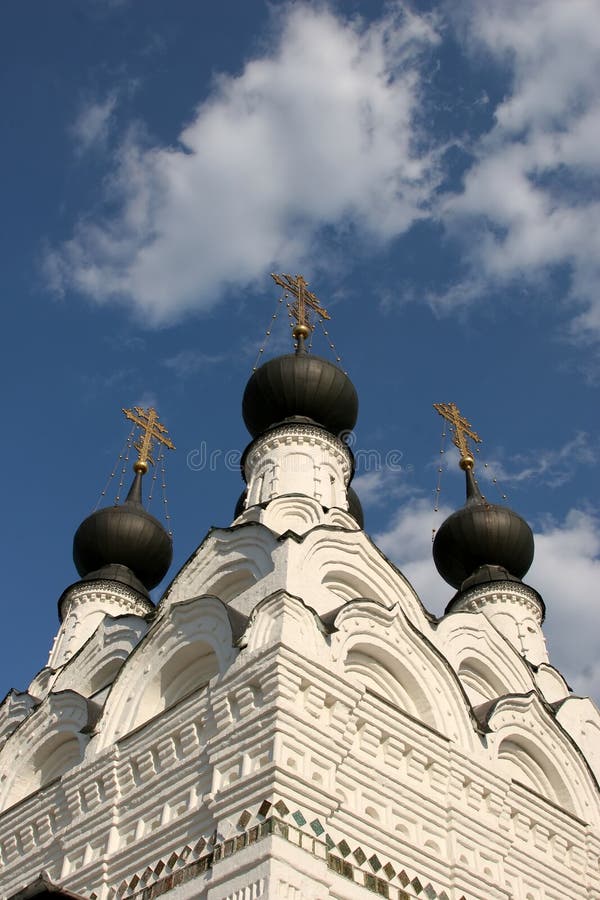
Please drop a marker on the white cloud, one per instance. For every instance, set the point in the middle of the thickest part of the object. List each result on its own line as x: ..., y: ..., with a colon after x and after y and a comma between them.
x: 92, y: 126
x: 146, y: 400
x: 531, y: 191
x: 370, y: 487
x: 565, y: 571
x: 408, y: 542
x: 552, y: 468
x: 319, y: 132
x: 380, y: 483
x: 189, y: 362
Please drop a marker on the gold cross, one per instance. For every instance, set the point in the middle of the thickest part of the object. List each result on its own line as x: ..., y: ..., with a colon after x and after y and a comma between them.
x: 152, y: 430
x: 304, y: 303
x: 462, y: 430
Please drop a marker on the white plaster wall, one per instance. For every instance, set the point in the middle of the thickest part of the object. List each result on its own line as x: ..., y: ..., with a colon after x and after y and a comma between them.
x: 286, y: 720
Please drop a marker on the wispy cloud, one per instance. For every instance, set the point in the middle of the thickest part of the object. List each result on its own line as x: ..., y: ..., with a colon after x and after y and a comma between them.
x: 189, y: 362
x: 125, y: 343
x: 552, y: 468
x: 381, y: 485
x: 97, y: 382
x: 91, y: 128
x: 146, y: 400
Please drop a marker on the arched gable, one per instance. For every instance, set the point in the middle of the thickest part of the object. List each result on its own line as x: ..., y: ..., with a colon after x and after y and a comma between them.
x: 347, y: 565
x: 381, y: 649
x: 479, y: 680
x: 15, y: 707
x: 551, y: 683
x: 487, y: 665
x: 227, y: 562
x: 379, y: 670
x: 41, y: 684
x: 292, y: 512
x: 580, y: 718
x: 283, y: 618
x: 186, y: 646
x: 340, y: 518
x: 530, y: 747
x: 45, y: 746
x: 96, y: 664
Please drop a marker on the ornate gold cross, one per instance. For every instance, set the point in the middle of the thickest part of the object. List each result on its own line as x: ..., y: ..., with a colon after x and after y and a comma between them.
x: 305, y: 302
x: 462, y: 429
x: 152, y: 430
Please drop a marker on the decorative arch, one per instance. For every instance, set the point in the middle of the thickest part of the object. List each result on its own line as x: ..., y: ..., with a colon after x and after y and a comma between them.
x: 97, y: 663
x: 186, y: 647
x: 105, y: 674
x: 382, y: 650
x: 14, y: 708
x: 524, y: 762
x: 45, y: 746
x: 341, y: 518
x: 551, y: 683
x: 283, y: 618
x: 530, y: 747
x: 189, y: 669
x: 292, y: 512
x: 228, y: 561
x: 348, y: 584
x: 231, y: 579
x: 379, y: 670
x: 347, y: 565
x: 480, y: 681
x: 487, y: 665
x: 55, y: 756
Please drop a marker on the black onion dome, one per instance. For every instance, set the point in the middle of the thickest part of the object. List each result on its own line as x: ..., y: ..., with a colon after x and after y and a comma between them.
x: 127, y: 536
x: 299, y: 386
x: 479, y: 535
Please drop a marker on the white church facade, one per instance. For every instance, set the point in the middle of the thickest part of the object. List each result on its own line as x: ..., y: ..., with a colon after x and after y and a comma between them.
x: 289, y: 721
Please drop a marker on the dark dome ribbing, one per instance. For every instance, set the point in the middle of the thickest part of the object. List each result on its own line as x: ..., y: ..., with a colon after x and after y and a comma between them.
x: 482, y: 534
x: 299, y: 386
x: 124, y: 535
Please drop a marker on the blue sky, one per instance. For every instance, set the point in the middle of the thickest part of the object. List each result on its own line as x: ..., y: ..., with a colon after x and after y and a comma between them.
x: 432, y: 170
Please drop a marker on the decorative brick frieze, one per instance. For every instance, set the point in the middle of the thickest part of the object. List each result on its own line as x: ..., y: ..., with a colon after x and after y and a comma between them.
x: 374, y: 873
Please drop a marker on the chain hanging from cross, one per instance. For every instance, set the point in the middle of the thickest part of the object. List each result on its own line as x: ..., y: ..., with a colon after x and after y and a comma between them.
x: 462, y: 431
x: 305, y: 303
x: 151, y: 430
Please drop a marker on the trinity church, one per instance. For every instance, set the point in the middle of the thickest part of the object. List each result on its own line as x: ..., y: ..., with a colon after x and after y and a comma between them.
x: 289, y: 721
